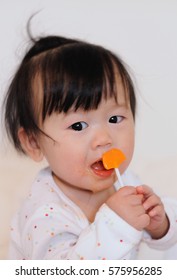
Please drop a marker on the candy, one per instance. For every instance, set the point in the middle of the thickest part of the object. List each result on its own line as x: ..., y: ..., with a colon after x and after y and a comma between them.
x: 113, y: 158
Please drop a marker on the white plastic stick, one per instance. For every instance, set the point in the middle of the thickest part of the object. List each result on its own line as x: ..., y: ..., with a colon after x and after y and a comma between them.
x: 119, y: 177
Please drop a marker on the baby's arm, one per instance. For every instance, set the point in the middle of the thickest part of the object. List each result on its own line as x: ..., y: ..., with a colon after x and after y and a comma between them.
x: 63, y: 232
x: 159, y: 223
x: 128, y: 204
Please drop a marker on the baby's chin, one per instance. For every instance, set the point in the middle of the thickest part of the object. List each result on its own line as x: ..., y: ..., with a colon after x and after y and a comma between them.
x: 104, y: 187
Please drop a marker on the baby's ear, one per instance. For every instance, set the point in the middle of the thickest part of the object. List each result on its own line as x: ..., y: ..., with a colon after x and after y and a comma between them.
x: 30, y: 145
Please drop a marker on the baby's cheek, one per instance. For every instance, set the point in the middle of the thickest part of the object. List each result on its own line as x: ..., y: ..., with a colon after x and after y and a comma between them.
x: 123, y: 166
x: 79, y: 170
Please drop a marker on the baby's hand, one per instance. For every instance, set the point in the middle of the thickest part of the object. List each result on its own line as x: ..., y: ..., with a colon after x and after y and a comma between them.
x: 127, y: 203
x: 154, y: 207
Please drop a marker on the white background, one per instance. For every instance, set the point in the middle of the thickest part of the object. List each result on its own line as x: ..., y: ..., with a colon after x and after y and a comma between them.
x: 144, y: 34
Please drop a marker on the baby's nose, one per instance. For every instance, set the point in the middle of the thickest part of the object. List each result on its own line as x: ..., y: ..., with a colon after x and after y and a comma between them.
x: 101, y: 138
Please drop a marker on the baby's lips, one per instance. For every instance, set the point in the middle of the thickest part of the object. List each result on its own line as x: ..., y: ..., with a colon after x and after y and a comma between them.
x: 113, y: 158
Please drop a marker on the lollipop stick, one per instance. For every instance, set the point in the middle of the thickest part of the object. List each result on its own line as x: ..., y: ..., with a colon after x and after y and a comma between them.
x: 119, y: 177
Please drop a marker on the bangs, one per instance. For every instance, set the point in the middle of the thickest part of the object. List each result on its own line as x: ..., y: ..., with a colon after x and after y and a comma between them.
x: 80, y: 76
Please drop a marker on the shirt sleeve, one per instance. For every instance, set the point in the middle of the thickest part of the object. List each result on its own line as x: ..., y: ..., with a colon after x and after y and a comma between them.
x: 170, y: 238
x: 56, y: 234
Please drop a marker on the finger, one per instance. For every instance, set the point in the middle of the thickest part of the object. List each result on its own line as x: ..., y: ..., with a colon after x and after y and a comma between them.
x: 137, y: 199
x: 142, y: 222
x: 152, y: 201
x: 147, y: 191
x: 138, y: 210
x: 128, y: 190
x: 157, y: 211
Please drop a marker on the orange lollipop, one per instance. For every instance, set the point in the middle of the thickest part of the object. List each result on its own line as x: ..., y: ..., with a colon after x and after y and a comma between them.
x: 112, y: 159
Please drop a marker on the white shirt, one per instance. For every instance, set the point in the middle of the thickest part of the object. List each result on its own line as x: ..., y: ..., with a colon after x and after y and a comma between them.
x: 50, y: 226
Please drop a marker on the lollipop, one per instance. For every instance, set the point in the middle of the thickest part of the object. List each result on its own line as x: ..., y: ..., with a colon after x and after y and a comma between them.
x: 112, y: 159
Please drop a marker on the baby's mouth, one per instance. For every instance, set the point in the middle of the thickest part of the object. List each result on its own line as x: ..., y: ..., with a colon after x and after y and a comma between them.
x: 98, y: 165
x: 99, y: 169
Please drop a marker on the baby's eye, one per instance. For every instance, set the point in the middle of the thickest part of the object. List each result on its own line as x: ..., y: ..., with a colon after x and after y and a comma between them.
x: 78, y: 126
x: 116, y: 119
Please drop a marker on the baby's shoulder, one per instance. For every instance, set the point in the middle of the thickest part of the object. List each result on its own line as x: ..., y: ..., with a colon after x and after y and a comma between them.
x: 43, y: 191
x: 43, y: 185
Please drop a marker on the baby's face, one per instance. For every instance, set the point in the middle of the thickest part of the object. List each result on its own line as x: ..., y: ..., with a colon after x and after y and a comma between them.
x: 81, y: 139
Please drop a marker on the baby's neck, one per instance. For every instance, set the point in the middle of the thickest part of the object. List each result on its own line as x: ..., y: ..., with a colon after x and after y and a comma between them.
x: 86, y: 200
x: 90, y: 202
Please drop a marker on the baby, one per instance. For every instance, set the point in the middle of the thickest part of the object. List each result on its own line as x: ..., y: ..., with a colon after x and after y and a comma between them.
x: 69, y: 102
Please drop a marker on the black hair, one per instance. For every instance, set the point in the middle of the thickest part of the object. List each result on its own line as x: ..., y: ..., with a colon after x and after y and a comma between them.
x: 71, y: 73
